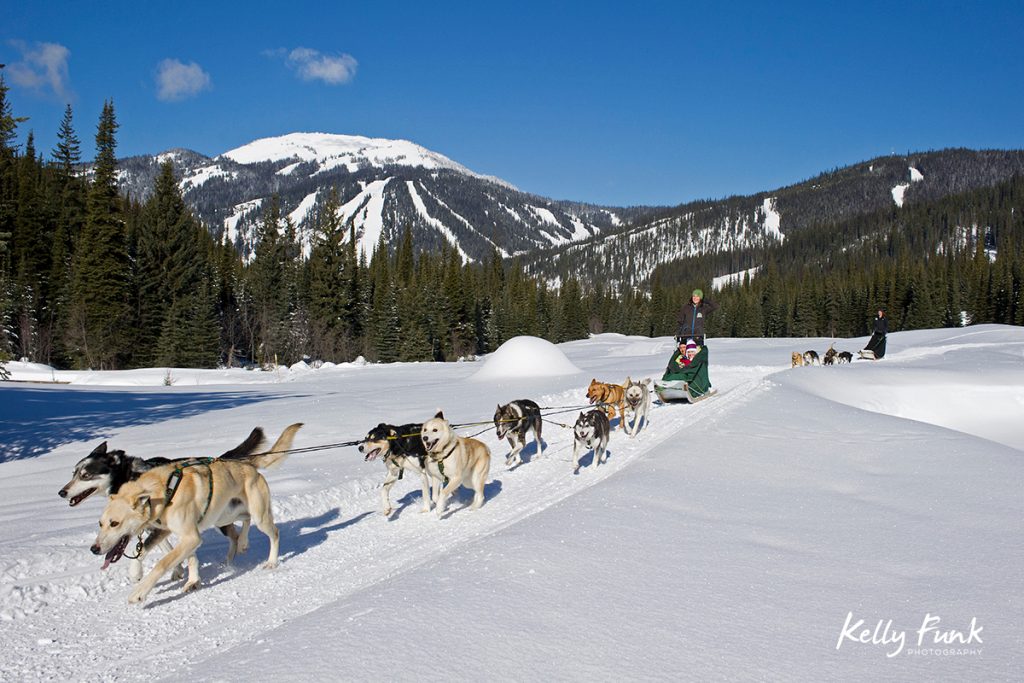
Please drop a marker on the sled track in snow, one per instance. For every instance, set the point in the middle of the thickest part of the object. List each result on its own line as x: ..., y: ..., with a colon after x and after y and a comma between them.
x: 333, y: 544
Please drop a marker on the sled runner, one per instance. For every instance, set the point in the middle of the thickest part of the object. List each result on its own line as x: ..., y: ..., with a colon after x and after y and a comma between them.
x: 865, y: 354
x: 669, y: 391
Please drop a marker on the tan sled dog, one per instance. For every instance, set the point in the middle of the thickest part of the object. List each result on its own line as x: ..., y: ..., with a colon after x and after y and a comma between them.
x: 455, y: 460
x: 209, y: 492
x: 610, y: 396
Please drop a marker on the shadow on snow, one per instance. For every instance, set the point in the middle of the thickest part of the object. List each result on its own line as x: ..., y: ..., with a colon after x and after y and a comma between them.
x: 36, y: 420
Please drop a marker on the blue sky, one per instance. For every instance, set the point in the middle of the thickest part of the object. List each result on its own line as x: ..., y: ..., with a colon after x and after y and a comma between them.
x: 612, y: 103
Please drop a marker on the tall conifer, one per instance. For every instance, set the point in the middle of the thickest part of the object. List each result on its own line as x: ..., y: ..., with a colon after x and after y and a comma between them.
x: 101, y: 290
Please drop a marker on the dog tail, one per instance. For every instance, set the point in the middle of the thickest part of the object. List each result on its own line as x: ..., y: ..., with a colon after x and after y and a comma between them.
x: 255, y: 442
x: 278, y: 453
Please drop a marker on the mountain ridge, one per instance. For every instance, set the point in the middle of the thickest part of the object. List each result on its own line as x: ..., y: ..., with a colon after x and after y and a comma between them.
x: 385, y: 186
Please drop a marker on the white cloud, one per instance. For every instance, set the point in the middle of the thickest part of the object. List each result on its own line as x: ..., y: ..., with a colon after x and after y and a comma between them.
x: 43, y: 66
x: 177, y: 81
x: 312, y: 65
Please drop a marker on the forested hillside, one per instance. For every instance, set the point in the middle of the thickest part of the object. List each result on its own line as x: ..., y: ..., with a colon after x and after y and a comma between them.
x: 92, y: 277
x: 730, y: 229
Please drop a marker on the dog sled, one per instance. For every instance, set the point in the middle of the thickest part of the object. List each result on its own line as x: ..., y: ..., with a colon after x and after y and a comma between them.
x: 687, y: 382
x: 875, y: 348
x: 673, y: 391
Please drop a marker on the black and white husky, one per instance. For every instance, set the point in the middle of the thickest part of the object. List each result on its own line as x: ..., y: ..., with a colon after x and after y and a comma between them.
x: 638, y: 405
x: 513, y: 421
x: 402, y: 449
x: 106, y: 471
x: 591, y: 432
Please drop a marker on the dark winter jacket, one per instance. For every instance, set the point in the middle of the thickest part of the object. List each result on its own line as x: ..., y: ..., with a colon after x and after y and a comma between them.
x: 881, y: 325
x: 691, y: 319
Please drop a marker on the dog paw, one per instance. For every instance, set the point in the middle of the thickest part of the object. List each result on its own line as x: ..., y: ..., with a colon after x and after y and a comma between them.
x: 269, y: 565
x: 137, y: 596
x: 189, y: 587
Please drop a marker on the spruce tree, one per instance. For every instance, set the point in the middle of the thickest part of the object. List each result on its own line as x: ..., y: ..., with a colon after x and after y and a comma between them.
x: 384, y: 331
x: 267, y: 288
x: 101, y: 291
x: 328, y: 271
x: 172, y: 270
x: 71, y: 191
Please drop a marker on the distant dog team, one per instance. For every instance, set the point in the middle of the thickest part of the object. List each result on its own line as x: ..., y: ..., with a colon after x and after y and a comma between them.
x: 831, y: 357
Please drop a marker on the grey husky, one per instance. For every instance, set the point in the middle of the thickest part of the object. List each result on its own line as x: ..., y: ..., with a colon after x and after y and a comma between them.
x: 638, y: 405
x: 591, y: 432
x: 513, y: 421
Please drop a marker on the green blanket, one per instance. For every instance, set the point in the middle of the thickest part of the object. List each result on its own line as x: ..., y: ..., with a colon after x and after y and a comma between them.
x: 695, y: 374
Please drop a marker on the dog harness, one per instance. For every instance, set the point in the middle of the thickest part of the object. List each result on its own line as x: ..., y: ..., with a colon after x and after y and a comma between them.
x: 440, y: 462
x: 174, y: 480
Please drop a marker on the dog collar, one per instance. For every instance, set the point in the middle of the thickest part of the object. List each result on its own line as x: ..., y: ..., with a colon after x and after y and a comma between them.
x: 450, y: 451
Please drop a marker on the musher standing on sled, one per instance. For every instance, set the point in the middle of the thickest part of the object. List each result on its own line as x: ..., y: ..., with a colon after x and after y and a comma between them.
x: 876, y: 345
x: 691, y: 317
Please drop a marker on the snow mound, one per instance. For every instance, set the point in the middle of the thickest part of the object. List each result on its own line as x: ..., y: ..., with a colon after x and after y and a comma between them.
x: 526, y: 357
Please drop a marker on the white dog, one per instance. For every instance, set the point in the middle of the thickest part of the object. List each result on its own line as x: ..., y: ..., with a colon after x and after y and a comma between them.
x: 638, y: 405
x: 455, y: 461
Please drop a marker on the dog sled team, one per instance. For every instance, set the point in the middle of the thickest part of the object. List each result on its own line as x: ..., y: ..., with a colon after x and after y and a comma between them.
x: 154, y: 499
x: 873, y: 350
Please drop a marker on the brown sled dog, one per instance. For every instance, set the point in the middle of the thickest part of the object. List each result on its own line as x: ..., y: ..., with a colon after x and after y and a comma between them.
x: 611, y: 396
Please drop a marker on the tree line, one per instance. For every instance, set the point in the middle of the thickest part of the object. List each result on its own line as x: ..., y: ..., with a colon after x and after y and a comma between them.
x: 91, y: 278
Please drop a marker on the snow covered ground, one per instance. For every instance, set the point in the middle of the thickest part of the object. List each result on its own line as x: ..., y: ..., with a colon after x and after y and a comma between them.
x: 740, y: 538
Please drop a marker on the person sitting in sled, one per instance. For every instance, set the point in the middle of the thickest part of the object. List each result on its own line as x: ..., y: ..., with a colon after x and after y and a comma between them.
x: 689, y: 363
x: 876, y: 345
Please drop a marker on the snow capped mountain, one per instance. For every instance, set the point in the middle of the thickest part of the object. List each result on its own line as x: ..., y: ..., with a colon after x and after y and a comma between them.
x: 353, y: 152
x: 383, y: 186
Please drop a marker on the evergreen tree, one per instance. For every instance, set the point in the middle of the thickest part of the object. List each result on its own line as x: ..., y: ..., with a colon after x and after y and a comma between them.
x: 267, y: 284
x: 328, y: 270
x: 67, y: 155
x: 8, y: 122
x: 190, y: 334
x: 384, y: 331
x: 572, y: 318
x: 71, y: 191
x: 101, y: 291
x: 168, y: 264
